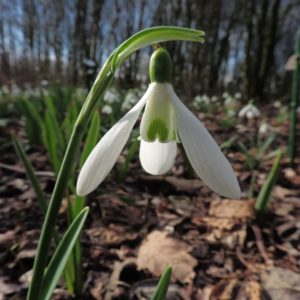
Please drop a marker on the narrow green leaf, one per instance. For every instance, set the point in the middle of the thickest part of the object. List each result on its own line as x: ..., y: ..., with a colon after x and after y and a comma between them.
x: 265, y: 146
x: 155, y: 35
x: 92, y: 137
x: 30, y: 174
x: 61, y: 255
x: 34, y: 122
x: 55, y: 124
x: 163, y: 284
x: 50, y: 141
x: 264, y: 194
x: 39, y: 194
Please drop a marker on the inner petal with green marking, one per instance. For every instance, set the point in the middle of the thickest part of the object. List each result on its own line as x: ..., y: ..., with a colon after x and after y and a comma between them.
x: 158, y: 122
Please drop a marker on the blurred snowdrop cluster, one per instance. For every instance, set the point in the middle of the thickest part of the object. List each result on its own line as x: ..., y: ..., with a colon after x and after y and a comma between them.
x: 205, y: 103
x: 131, y: 98
x: 201, y: 100
x: 231, y: 101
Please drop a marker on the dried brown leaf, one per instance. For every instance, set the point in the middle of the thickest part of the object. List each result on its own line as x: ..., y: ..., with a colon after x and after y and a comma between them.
x: 159, y: 251
x: 232, y: 208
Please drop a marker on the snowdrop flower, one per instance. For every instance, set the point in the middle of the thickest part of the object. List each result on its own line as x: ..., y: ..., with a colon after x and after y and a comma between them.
x: 230, y: 101
x: 44, y: 83
x: 226, y: 95
x: 111, y: 97
x: 231, y: 112
x: 5, y: 89
x: 107, y: 110
x: 214, y: 98
x: 277, y: 104
x: 165, y: 121
x: 263, y: 128
x: 237, y: 95
x: 249, y: 111
x: 205, y: 99
x: 130, y: 99
x: 201, y: 101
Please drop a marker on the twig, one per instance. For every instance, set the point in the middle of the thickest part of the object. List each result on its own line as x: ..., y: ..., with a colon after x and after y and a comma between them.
x: 260, y: 244
x: 17, y: 169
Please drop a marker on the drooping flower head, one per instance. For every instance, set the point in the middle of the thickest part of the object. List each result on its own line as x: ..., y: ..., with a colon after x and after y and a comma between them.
x: 165, y: 122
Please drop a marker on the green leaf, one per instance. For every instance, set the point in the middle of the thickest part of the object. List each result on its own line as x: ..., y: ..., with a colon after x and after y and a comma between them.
x: 34, y: 122
x: 92, y: 137
x: 163, y: 284
x: 61, y: 255
x: 265, y: 193
x: 55, y: 124
x: 155, y: 35
x: 265, y: 146
x: 50, y: 141
x: 30, y: 174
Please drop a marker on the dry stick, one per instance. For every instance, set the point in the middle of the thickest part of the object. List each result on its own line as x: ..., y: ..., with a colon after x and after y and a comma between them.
x: 260, y: 244
x: 241, y: 258
x: 18, y: 169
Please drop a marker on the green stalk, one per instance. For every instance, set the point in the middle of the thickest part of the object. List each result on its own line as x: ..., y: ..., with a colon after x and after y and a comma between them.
x: 104, y: 78
x: 265, y: 193
x: 162, y: 286
x: 294, y: 102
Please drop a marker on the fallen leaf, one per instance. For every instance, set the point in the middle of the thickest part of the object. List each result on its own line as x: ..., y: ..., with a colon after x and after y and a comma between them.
x: 7, y: 288
x: 281, y: 192
x: 252, y: 290
x: 113, y: 235
x: 26, y: 253
x: 7, y: 238
x: 184, y: 185
x: 232, y: 208
x: 213, y: 222
x: 281, y: 284
x: 159, y: 251
x: 223, y: 290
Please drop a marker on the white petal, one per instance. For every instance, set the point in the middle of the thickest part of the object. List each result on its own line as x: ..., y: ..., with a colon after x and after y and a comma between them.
x: 157, y: 158
x: 104, y: 155
x: 205, y: 156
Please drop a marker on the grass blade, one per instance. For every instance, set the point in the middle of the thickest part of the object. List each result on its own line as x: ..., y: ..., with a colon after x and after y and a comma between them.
x: 39, y: 194
x: 61, y: 255
x: 30, y: 174
x: 264, y: 195
x: 49, y: 138
x: 54, y: 118
x: 163, y: 284
x: 92, y: 137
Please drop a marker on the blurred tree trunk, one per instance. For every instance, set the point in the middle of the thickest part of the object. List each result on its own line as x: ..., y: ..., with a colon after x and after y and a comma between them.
x: 95, y: 33
x: 262, y: 26
x: 267, y: 59
x: 79, y: 39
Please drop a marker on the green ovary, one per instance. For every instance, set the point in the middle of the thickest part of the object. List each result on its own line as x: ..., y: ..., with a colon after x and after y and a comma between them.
x: 158, y: 130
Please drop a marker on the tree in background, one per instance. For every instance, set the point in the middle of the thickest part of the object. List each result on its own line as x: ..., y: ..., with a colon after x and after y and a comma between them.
x: 247, y: 42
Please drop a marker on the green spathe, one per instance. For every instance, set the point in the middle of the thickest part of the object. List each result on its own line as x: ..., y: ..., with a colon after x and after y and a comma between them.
x: 160, y: 67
